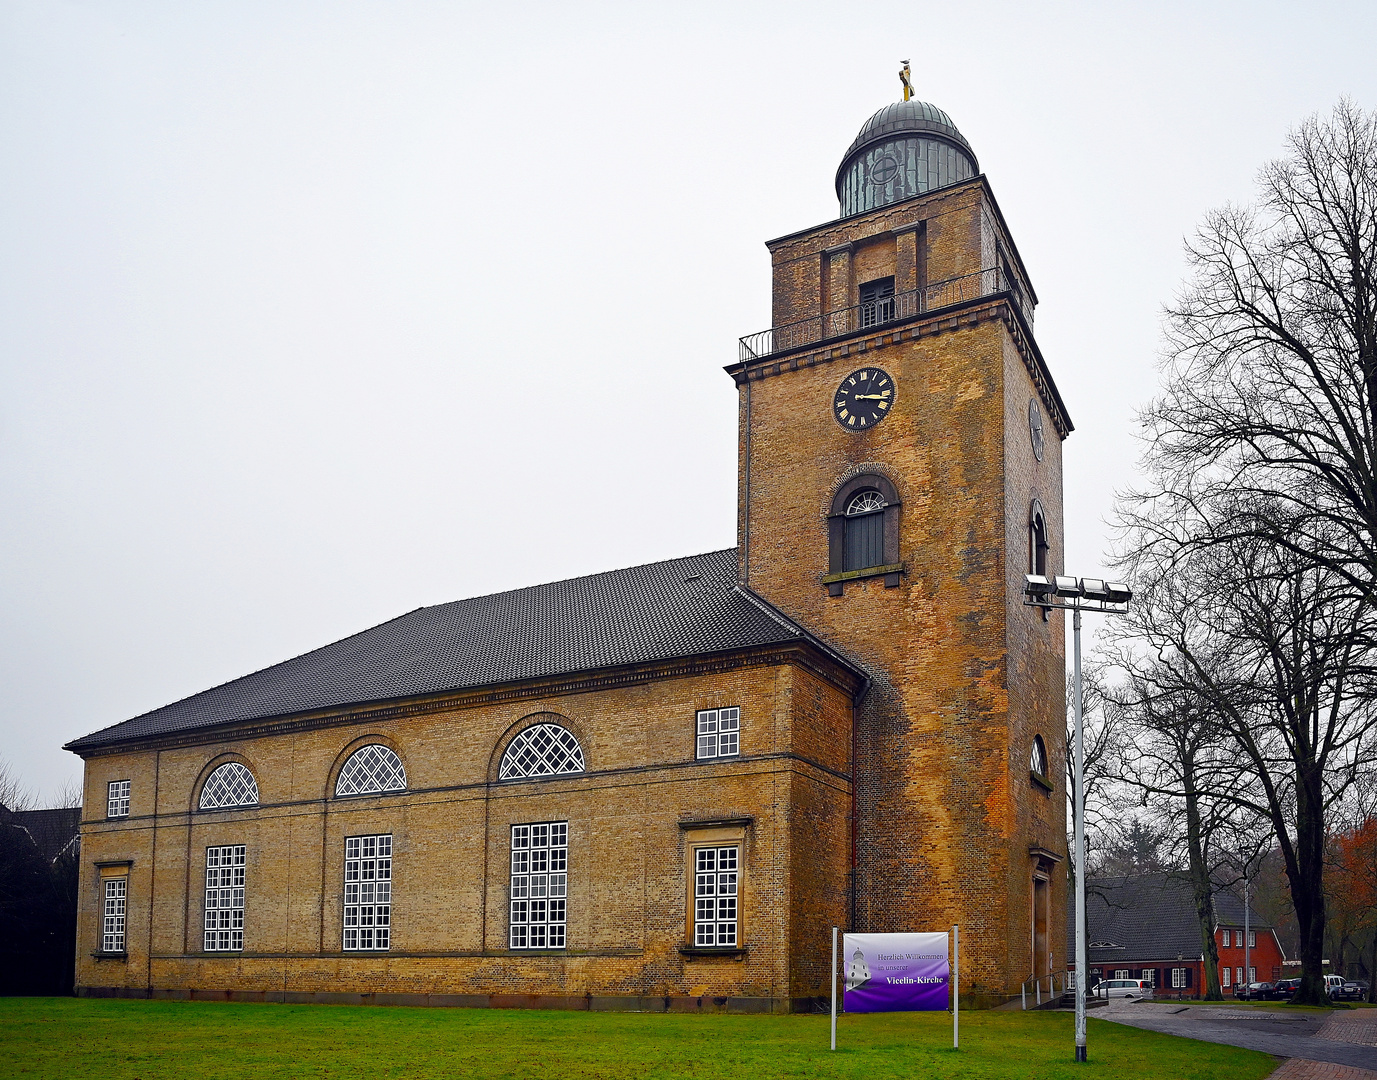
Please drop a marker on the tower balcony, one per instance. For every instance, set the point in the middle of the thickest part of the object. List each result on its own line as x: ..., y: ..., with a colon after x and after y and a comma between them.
x: 882, y: 311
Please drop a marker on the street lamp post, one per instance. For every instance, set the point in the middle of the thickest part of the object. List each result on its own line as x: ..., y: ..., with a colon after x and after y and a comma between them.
x: 1076, y: 595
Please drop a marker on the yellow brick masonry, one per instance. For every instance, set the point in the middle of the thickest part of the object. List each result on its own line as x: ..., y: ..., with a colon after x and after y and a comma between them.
x: 964, y: 674
x: 628, y: 915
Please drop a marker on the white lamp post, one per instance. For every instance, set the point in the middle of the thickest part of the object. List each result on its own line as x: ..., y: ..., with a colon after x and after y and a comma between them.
x: 1077, y: 595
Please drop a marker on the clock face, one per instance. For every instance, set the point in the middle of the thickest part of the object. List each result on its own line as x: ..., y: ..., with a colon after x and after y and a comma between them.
x: 863, y: 399
x: 1035, y: 428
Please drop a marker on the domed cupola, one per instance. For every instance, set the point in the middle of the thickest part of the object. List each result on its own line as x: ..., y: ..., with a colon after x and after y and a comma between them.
x: 905, y: 149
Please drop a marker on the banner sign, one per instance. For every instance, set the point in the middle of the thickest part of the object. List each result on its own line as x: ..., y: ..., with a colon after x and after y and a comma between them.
x: 895, y: 972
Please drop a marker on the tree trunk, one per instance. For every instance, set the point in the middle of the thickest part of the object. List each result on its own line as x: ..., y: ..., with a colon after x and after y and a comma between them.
x: 1200, y: 880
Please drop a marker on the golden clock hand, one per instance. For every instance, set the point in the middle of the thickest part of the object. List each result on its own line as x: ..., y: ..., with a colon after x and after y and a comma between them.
x: 869, y: 397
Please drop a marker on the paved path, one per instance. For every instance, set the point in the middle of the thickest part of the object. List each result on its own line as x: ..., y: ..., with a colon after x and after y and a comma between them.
x: 1339, y: 1039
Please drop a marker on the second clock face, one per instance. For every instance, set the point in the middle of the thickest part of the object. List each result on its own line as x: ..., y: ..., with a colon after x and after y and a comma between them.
x: 863, y: 399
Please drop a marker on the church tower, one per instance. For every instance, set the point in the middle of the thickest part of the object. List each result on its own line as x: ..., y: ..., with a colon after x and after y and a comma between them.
x: 900, y: 473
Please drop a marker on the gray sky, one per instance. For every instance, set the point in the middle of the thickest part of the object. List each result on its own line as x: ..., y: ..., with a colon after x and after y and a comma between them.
x: 314, y: 313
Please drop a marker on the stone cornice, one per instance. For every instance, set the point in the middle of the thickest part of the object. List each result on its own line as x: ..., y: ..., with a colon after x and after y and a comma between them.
x: 968, y: 313
x: 801, y: 653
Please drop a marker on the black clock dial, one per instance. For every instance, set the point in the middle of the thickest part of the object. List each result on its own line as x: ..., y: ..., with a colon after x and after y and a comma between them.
x: 863, y: 399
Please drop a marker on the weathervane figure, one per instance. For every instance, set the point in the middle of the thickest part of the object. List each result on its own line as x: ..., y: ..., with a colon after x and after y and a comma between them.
x: 903, y: 78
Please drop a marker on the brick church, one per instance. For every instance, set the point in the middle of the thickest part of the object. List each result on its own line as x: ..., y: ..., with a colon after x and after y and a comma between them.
x: 660, y: 787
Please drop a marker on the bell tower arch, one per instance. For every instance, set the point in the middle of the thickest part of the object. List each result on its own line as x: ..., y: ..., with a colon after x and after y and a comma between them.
x: 897, y: 422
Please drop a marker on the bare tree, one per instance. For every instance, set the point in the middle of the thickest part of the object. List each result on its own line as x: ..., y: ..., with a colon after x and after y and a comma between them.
x: 1271, y: 371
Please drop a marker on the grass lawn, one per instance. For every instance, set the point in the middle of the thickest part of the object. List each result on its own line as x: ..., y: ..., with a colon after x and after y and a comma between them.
x: 152, y: 1040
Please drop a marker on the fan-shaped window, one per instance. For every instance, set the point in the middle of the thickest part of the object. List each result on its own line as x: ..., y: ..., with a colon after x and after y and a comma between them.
x: 371, y: 769
x: 542, y: 750
x: 231, y: 784
x: 1038, y: 759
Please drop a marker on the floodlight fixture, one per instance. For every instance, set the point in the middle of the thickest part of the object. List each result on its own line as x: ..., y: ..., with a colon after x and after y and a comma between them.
x: 1068, y: 587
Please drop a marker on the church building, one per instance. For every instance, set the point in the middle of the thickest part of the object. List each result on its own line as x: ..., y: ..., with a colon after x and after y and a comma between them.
x: 661, y: 787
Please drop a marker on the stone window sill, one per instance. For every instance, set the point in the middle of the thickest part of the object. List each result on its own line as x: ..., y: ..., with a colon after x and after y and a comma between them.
x: 1041, y: 781
x: 692, y: 952
x: 109, y: 956
x: 836, y: 582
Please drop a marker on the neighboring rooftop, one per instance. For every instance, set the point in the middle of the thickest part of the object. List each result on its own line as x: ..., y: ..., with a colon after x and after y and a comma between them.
x: 1149, y: 917
x: 660, y: 611
x: 52, y: 831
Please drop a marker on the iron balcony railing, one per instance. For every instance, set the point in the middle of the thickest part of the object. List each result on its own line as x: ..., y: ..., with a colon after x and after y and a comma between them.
x: 878, y: 312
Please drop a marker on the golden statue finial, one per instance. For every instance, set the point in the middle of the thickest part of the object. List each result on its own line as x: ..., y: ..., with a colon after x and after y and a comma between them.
x: 903, y: 78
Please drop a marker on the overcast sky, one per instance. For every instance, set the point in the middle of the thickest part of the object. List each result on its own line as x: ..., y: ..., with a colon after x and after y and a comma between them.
x: 314, y: 313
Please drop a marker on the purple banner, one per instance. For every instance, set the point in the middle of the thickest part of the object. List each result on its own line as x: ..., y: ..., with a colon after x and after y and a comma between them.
x: 894, y: 972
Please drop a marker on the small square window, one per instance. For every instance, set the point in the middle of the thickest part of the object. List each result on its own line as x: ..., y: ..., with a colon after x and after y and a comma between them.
x: 117, y: 799
x: 719, y: 733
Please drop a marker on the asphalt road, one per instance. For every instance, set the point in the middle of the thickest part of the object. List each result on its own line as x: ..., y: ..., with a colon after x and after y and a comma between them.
x: 1284, y: 1035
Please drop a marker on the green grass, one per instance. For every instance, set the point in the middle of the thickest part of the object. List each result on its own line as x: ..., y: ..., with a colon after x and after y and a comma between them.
x: 144, y: 1040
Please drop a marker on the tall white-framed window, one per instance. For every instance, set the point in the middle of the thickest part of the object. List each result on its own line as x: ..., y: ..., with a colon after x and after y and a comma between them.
x: 1121, y: 973
x: 1252, y: 974
x: 117, y: 799
x: 1252, y: 939
x: 719, y: 733
x: 1224, y: 974
x: 1178, y: 978
x: 112, y: 928
x: 1150, y: 976
x: 715, y: 880
x: 1238, y: 974
x: 224, y: 915
x: 367, y: 893
x: 539, y: 885
x: 1226, y: 939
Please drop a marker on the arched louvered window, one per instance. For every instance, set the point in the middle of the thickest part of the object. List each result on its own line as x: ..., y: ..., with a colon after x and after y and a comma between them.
x: 1038, y: 543
x: 542, y: 750
x: 229, y: 785
x: 371, y: 770
x: 865, y: 530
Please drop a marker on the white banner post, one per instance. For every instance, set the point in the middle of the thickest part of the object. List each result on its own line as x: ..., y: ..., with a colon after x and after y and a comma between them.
x: 956, y: 987
x: 834, y: 988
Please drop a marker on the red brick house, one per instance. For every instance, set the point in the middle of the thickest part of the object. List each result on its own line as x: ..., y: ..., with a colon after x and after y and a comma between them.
x: 1145, y: 927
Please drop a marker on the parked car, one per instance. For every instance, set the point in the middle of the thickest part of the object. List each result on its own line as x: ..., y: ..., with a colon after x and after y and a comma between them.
x: 1333, y: 984
x: 1352, y: 990
x: 1258, y: 991
x: 1124, y: 988
x: 1286, y: 989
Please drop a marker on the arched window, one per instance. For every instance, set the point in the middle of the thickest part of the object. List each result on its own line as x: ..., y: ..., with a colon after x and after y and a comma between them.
x: 371, y: 770
x: 863, y: 532
x: 1038, y: 759
x: 229, y: 785
x: 542, y: 750
x: 1037, y: 540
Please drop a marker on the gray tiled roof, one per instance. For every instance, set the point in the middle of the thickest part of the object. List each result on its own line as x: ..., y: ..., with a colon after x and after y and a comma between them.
x: 660, y: 611
x: 1149, y: 917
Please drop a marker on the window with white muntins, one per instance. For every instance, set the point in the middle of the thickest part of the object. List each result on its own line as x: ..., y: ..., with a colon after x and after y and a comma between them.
x: 117, y: 799
x: 719, y: 733
x: 367, y: 893
x: 116, y: 894
x: 715, y: 896
x: 539, y: 885
x: 371, y: 770
x: 229, y: 785
x: 541, y: 750
x: 224, y: 917
x: 1178, y: 978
